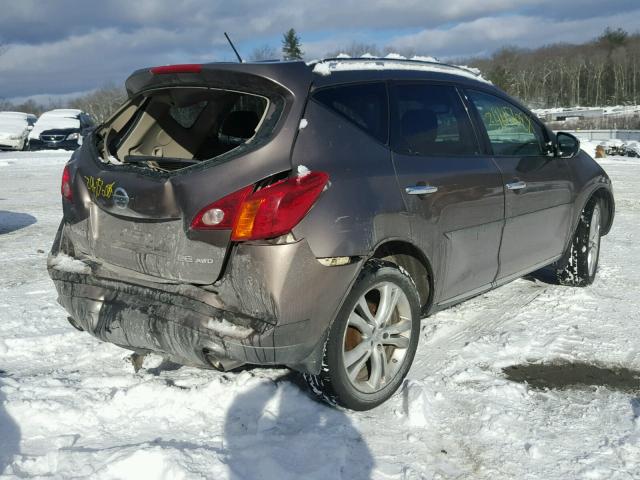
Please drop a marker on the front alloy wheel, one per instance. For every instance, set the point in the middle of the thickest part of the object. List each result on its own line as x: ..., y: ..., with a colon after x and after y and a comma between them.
x: 593, y: 248
x: 579, y: 264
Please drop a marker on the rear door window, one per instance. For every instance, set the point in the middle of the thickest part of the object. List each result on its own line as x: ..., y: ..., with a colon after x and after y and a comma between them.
x: 430, y: 119
x: 511, y: 131
x: 365, y: 105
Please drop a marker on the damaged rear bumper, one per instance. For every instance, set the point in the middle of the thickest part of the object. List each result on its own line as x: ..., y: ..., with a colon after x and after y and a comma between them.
x: 272, y: 307
x: 165, y: 321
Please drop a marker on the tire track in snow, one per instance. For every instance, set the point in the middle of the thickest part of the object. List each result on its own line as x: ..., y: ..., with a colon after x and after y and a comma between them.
x: 460, y: 326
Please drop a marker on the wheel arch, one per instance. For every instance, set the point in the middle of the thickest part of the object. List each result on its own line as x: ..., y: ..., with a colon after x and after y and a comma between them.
x: 410, y: 258
x: 605, y: 196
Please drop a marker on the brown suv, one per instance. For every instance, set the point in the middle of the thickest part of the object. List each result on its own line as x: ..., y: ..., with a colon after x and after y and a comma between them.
x: 311, y: 215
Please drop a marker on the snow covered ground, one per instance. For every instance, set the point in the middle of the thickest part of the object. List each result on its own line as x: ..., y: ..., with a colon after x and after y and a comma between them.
x: 71, y: 406
x: 609, y: 111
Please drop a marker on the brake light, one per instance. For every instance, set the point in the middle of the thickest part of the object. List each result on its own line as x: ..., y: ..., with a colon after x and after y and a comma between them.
x: 267, y: 213
x: 65, y: 187
x: 182, y: 68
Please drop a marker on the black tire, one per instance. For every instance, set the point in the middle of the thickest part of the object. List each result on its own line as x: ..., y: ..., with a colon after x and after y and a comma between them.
x: 579, y: 264
x: 335, y: 383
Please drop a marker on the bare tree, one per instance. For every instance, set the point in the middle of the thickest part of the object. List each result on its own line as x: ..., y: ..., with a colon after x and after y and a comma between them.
x: 600, y: 72
x: 100, y: 103
x: 264, y: 52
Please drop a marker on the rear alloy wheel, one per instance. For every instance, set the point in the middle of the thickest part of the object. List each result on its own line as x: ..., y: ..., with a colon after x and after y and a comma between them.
x: 579, y: 264
x: 373, y: 340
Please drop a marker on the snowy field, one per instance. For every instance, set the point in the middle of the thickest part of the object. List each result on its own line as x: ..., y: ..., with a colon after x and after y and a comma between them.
x: 610, y: 111
x: 71, y: 406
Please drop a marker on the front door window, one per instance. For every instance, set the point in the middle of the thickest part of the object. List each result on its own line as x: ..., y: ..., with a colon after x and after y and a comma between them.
x: 511, y: 131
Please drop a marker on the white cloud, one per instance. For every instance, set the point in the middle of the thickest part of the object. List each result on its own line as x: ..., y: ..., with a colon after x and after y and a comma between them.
x: 82, y: 62
x: 484, y: 35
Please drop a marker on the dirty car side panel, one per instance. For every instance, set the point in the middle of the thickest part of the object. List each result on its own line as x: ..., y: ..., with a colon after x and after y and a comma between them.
x: 363, y: 206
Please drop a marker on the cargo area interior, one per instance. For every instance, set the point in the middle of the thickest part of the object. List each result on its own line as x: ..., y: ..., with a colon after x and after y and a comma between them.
x: 169, y: 129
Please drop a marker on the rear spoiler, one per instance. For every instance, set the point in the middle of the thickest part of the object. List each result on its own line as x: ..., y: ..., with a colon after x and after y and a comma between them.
x: 288, y: 78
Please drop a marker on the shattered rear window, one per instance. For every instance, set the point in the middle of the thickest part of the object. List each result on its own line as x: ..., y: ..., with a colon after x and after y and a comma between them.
x: 173, y: 128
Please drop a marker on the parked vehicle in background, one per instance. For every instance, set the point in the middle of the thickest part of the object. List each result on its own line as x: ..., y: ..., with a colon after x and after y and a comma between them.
x: 311, y: 215
x: 60, y: 129
x: 632, y: 149
x: 14, y: 130
x: 614, y: 146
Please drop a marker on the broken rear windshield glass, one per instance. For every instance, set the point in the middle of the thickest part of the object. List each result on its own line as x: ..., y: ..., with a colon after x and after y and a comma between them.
x: 173, y: 128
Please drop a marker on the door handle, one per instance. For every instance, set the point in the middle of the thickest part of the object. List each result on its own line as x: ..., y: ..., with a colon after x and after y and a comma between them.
x: 420, y: 190
x: 516, y: 185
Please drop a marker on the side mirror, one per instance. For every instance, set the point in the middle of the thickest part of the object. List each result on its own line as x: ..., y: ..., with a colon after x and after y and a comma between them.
x: 568, y: 145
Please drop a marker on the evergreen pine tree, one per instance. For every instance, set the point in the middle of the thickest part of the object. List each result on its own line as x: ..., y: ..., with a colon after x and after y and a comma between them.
x: 291, y: 46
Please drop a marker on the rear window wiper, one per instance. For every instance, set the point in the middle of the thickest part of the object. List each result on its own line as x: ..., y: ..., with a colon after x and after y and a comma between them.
x: 159, y: 160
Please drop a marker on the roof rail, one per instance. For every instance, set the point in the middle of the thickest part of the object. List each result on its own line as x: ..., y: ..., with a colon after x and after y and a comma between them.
x: 381, y: 61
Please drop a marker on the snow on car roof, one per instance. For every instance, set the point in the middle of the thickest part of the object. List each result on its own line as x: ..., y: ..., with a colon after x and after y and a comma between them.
x: 62, y: 112
x: 56, y: 119
x: 16, y: 119
x: 14, y: 115
x: 14, y: 124
x: 392, y: 61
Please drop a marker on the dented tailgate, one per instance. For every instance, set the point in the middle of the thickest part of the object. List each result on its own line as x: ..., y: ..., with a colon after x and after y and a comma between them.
x: 139, y: 219
x: 136, y: 222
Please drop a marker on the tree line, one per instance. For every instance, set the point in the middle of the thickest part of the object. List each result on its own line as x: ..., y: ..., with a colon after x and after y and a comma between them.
x: 601, y: 72
x: 604, y: 71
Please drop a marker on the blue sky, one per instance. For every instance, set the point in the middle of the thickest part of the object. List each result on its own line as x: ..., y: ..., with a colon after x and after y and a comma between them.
x: 64, y: 47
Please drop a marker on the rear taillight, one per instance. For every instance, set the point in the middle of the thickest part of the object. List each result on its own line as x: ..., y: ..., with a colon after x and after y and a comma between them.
x: 220, y: 215
x: 276, y: 209
x: 65, y: 187
x: 183, y: 68
x: 270, y: 212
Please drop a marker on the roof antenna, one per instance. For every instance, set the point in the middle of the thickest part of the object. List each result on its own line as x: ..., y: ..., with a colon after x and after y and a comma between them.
x: 234, y: 48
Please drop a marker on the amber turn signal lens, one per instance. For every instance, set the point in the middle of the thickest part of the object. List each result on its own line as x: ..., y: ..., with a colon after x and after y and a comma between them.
x: 243, y: 228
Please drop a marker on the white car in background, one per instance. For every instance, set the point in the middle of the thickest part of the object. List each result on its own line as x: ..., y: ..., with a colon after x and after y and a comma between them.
x: 14, y: 130
x: 60, y: 129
